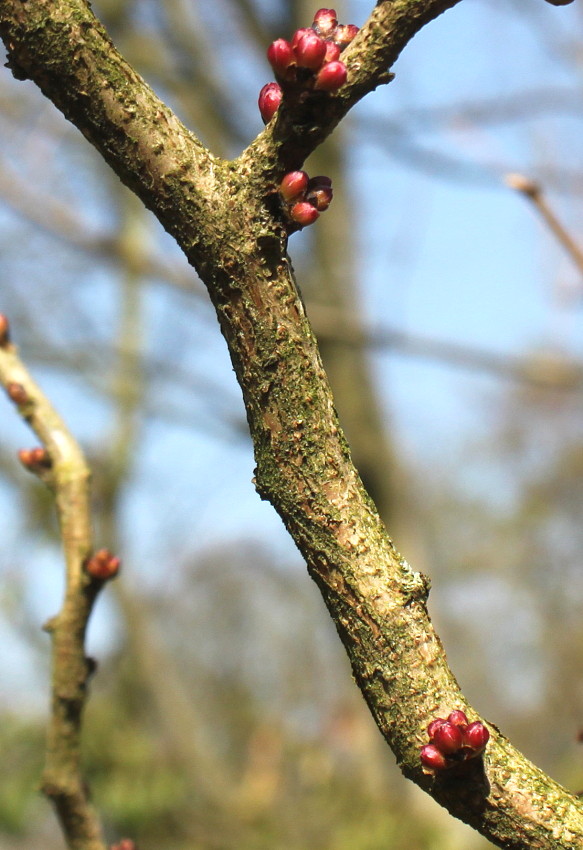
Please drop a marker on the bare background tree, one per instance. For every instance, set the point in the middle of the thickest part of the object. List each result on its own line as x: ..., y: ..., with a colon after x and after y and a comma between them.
x: 250, y: 733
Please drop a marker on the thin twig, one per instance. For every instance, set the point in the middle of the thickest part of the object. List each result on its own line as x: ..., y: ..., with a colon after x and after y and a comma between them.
x: 534, y: 193
x: 61, y: 465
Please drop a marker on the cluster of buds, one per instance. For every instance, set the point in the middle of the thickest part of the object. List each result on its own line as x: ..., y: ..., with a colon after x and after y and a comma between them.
x: 125, y: 844
x: 311, y: 60
x: 102, y: 565
x: 304, y: 198
x: 36, y: 460
x: 452, y: 742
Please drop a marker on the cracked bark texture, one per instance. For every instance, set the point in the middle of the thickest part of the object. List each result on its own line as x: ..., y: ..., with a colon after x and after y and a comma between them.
x: 225, y: 217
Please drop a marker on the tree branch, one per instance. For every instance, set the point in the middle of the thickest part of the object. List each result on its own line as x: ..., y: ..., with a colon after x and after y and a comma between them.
x: 534, y: 193
x: 227, y: 219
x: 62, y: 466
x: 301, y: 125
x: 64, y: 49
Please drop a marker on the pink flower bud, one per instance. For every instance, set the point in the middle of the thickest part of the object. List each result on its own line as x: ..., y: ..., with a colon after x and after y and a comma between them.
x: 25, y: 457
x: 331, y: 77
x: 17, y: 394
x: 269, y: 99
x: 435, y: 724
x: 40, y: 457
x: 304, y: 213
x: 458, y: 718
x: 35, y: 460
x: 448, y: 738
x: 433, y: 758
x: 325, y: 22
x: 310, y: 51
x: 344, y: 35
x: 476, y: 736
x: 332, y: 52
x: 293, y: 185
x: 280, y: 55
x: 4, y: 331
x: 103, y: 565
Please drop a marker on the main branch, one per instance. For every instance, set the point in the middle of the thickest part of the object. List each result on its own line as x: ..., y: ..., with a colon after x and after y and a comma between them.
x: 226, y: 217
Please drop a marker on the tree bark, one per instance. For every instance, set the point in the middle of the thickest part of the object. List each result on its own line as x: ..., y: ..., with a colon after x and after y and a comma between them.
x: 226, y: 217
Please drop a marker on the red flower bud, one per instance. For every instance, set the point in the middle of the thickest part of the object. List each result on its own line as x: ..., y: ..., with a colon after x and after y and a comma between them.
x: 17, y: 393
x: 476, y: 736
x: 294, y: 185
x: 448, y: 738
x: 310, y: 51
x: 298, y: 34
x: 433, y: 758
x: 325, y: 22
x: 321, y: 197
x: 35, y: 460
x: 40, y: 456
x: 331, y: 76
x: 4, y: 331
x: 280, y: 56
x: 458, y: 718
x: 269, y: 99
x: 125, y: 844
x: 103, y: 565
x: 435, y: 724
x: 320, y: 192
x: 304, y: 213
x: 332, y: 52
x: 344, y: 35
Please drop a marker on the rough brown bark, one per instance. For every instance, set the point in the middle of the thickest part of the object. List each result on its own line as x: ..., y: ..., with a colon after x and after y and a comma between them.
x: 226, y: 218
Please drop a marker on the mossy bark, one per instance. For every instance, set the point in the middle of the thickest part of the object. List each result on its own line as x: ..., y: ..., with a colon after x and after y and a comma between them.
x: 226, y: 218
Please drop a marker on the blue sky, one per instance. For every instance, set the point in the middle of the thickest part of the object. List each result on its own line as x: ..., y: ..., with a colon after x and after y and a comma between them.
x: 451, y: 259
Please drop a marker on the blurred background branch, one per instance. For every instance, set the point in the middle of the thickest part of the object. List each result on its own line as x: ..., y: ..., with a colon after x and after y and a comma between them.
x: 60, y: 463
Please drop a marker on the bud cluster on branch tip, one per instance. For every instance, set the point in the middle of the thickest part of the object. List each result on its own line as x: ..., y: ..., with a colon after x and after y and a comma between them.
x: 125, y: 844
x: 35, y: 460
x: 311, y: 60
x: 304, y: 198
x: 4, y: 331
x: 453, y: 741
x: 102, y: 565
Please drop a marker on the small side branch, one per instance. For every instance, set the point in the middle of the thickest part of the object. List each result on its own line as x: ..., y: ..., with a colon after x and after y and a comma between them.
x: 61, y: 465
x: 534, y: 193
x: 303, y: 123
